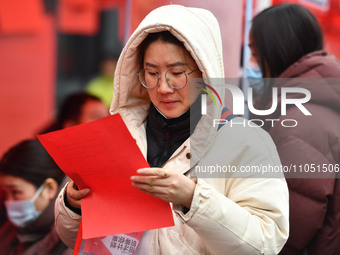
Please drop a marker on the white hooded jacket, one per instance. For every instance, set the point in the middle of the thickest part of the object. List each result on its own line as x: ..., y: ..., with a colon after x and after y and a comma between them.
x: 227, y: 215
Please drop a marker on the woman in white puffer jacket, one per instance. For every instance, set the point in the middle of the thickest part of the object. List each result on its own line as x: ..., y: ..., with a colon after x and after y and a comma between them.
x: 212, y: 215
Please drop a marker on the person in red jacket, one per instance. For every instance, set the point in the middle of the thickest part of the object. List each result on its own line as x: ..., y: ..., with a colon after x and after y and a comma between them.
x: 287, y: 42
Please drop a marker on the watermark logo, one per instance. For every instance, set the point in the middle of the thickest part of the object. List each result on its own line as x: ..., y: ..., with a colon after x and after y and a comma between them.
x: 301, y: 96
x: 204, y: 97
x: 209, y: 93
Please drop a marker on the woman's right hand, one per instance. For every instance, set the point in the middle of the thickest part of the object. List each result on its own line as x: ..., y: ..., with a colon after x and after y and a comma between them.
x: 74, y: 195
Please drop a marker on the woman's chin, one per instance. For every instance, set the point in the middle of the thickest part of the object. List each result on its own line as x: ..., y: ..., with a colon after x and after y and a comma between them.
x: 171, y: 113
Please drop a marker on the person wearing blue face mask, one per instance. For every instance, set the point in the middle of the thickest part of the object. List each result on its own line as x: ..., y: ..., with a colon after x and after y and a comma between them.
x: 253, y: 74
x: 21, y: 213
x: 252, y: 69
x: 287, y: 42
x: 30, y: 181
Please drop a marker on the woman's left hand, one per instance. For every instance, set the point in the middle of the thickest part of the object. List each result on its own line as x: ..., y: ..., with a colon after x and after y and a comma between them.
x: 168, y: 185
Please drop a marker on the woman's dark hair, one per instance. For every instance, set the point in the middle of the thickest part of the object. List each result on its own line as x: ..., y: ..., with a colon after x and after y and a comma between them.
x: 71, y: 109
x: 282, y: 34
x: 164, y: 36
x: 30, y: 161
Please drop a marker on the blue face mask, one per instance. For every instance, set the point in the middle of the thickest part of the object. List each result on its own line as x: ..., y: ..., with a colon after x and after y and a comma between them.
x: 252, y: 70
x: 253, y: 73
x: 20, y: 213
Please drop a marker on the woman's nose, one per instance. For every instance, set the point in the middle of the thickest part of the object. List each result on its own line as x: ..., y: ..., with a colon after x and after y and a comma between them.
x: 164, y: 87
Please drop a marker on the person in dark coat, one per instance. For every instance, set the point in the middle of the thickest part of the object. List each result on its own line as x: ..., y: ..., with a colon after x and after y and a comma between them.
x: 30, y: 181
x: 287, y: 42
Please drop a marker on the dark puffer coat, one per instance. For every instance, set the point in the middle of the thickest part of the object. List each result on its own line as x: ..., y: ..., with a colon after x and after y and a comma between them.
x: 314, y: 203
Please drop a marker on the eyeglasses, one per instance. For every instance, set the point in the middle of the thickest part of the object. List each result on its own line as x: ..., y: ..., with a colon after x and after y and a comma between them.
x: 176, y: 78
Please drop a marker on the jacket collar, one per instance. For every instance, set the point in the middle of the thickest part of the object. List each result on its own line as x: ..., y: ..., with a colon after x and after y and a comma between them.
x: 304, y: 64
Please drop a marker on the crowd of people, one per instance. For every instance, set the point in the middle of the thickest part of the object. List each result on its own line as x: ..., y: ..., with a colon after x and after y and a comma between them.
x: 157, y: 96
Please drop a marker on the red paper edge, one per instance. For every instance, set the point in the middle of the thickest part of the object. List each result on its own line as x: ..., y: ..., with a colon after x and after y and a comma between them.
x: 79, y: 239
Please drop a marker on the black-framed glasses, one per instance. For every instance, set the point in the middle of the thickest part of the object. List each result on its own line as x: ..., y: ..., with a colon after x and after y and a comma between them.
x: 176, y: 78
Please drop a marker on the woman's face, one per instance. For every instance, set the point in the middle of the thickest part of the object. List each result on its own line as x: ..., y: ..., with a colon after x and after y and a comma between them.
x: 255, y: 57
x: 91, y: 110
x: 160, y: 57
x: 18, y: 189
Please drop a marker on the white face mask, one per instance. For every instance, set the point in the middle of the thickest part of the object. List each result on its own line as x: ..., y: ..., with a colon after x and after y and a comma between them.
x: 20, y: 213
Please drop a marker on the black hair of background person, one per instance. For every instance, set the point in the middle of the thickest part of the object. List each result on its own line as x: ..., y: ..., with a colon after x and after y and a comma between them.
x: 279, y: 44
x: 3, y: 213
x: 30, y: 161
x: 70, y: 109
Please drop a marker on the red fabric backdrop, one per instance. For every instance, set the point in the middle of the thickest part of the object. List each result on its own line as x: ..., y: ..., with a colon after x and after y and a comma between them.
x: 27, y: 79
